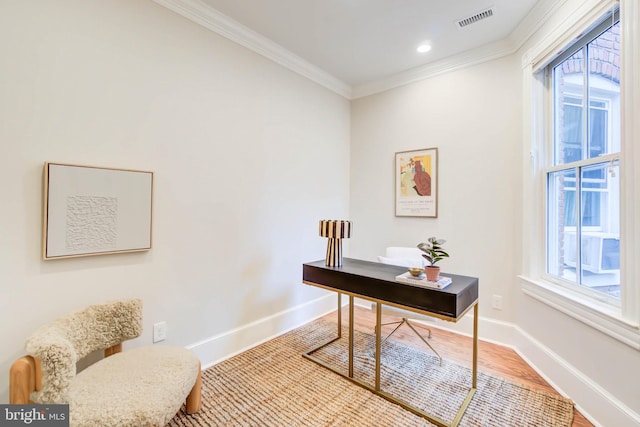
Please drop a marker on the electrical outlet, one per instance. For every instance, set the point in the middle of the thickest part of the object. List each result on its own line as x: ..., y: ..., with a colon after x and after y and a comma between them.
x: 496, y: 302
x: 159, y: 331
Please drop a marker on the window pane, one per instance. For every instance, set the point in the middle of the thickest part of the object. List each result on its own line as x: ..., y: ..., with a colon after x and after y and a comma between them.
x: 597, y: 132
x: 600, y: 233
x: 572, y: 133
x: 604, y: 92
x: 568, y: 83
x: 561, y: 220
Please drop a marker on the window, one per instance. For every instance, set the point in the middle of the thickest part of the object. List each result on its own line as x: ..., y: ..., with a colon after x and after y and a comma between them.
x: 582, y: 173
x: 580, y: 215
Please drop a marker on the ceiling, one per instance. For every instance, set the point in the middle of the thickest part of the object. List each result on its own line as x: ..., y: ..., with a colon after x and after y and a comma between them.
x: 362, y: 41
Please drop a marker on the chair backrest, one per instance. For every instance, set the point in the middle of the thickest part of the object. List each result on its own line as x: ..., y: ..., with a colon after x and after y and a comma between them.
x: 403, y: 256
x: 61, y: 343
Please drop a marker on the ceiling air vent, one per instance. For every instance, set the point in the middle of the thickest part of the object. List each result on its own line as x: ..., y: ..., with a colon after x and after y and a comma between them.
x: 487, y: 13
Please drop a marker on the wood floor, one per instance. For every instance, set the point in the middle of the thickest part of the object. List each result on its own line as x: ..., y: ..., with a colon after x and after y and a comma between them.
x: 493, y: 359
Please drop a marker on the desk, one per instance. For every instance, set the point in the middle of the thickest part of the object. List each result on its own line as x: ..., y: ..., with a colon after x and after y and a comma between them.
x: 376, y: 282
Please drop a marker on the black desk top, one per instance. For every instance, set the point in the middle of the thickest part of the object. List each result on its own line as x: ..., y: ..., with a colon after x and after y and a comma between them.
x: 377, y: 281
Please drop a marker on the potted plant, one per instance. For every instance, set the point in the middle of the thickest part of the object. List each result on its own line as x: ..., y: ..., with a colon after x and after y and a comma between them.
x: 433, y: 253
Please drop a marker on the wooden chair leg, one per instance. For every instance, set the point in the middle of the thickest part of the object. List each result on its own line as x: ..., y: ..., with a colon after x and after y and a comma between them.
x: 194, y: 399
x: 112, y: 350
x: 25, y: 376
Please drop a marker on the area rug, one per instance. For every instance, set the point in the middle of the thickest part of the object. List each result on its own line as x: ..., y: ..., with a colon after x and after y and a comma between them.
x: 273, y: 385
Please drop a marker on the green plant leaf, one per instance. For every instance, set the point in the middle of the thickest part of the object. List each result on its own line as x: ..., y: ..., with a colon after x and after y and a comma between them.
x: 432, y: 249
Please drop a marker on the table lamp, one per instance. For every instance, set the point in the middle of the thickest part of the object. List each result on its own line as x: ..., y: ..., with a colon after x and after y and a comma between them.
x: 335, y: 230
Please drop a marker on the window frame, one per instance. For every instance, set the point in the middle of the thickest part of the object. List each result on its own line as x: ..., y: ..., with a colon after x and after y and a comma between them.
x: 552, y: 165
x: 623, y: 322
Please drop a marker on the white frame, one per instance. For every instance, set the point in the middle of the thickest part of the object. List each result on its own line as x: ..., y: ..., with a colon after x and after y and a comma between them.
x: 91, y: 210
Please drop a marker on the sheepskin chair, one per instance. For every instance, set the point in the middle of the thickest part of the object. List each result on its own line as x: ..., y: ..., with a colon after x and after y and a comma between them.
x: 63, y: 342
x: 145, y: 386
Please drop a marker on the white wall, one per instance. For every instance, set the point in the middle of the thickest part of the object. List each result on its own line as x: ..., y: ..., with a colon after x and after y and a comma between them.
x: 240, y: 147
x: 472, y: 117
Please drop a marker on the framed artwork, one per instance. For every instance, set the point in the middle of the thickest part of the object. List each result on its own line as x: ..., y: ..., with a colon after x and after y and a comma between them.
x: 416, y: 176
x: 93, y: 211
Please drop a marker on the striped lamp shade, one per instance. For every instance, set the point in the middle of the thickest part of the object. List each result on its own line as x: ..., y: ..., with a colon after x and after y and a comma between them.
x: 335, y: 230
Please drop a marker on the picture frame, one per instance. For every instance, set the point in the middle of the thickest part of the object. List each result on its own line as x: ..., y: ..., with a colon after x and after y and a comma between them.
x: 416, y: 183
x: 90, y: 210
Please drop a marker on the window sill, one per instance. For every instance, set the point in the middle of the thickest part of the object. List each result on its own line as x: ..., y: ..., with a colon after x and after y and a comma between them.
x: 599, y: 316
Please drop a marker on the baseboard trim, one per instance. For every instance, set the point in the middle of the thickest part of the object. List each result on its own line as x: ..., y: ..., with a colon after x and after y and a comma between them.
x: 597, y: 404
x: 220, y: 347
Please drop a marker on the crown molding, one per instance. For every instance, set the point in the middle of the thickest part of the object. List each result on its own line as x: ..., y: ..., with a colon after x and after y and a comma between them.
x: 541, y: 12
x: 532, y: 22
x: 465, y: 59
x: 208, y: 17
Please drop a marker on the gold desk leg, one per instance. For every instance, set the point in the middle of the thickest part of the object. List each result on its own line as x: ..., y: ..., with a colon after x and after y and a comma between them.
x: 474, y: 377
x: 376, y: 389
x: 378, y: 343
x: 350, y: 336
x: 339, y: 315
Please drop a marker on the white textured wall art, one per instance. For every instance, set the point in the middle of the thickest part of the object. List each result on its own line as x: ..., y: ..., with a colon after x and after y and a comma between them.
x: 91, y: 211
x: 92, y: 223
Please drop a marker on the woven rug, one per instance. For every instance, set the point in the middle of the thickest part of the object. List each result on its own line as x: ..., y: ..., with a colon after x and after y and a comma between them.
x: 273, y: 385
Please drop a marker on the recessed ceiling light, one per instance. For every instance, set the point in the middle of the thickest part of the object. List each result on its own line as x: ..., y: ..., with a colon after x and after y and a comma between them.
x: 424, y: 47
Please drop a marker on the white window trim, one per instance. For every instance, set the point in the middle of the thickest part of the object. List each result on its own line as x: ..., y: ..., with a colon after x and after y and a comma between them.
x: 587, y: 310
x: 622, y: 324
